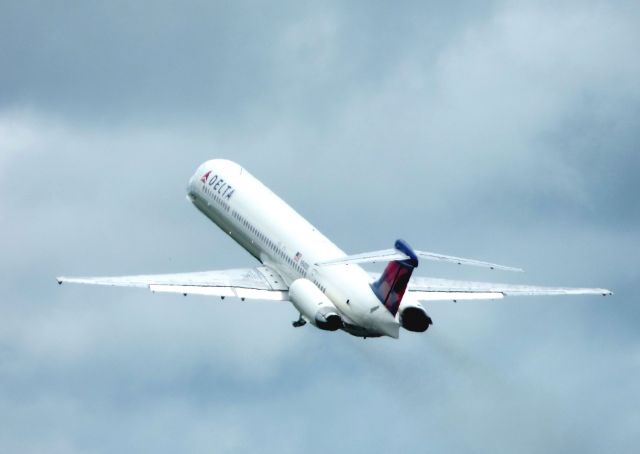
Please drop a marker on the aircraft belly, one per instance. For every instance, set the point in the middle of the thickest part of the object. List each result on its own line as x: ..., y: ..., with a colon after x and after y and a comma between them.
x: 350, y: 292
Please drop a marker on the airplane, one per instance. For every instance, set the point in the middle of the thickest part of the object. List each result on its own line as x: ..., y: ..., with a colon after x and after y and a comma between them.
x: 328, y: 287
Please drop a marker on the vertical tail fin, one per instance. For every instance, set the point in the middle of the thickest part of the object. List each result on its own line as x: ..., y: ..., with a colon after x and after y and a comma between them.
x: 392, y: 284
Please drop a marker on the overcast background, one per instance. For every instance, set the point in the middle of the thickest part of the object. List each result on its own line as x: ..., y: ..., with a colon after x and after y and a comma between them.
x: 504, y: 131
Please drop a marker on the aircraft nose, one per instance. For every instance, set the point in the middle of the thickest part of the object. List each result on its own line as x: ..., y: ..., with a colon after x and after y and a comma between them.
x: 191, y: 186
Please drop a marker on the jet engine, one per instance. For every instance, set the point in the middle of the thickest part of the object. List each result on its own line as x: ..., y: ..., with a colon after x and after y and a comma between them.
x: 412, y: 316
x: 314, y: 305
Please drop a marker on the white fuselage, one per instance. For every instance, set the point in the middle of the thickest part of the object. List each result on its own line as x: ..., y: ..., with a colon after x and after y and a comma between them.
x: 276, y: 235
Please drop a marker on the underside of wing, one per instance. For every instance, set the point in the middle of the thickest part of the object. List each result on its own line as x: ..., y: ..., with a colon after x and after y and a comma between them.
x: 432, y: 289
x: 253, y: 283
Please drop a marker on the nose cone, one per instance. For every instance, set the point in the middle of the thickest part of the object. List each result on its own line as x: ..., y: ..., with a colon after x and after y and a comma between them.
x: 190, y: 190
x: 193, y: 182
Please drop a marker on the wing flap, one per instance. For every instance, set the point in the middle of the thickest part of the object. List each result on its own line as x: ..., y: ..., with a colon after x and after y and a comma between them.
x: 233, y: 292
x: 251, y: 283
x: 425, y: 288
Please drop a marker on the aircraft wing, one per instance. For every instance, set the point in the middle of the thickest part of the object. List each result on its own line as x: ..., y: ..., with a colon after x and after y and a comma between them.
x: 254, y: 283
x: 433, y: 289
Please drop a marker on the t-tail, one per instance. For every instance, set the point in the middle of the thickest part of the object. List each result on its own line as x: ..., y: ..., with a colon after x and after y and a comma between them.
x: 393, y: 283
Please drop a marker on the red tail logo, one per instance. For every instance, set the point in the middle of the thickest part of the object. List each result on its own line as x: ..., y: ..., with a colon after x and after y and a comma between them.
x: 205, y: 177
x: 393, y: 282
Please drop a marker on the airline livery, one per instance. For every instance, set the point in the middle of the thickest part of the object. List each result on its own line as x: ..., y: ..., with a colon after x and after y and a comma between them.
x: 299, y: 264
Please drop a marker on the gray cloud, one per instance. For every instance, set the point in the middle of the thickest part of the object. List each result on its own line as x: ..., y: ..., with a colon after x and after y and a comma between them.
x: 506, y: 132
x: 220, y: 60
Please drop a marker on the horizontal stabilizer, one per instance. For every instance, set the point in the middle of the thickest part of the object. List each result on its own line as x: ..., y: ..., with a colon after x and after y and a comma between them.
x: 393, y: 254
x: 462, y: 261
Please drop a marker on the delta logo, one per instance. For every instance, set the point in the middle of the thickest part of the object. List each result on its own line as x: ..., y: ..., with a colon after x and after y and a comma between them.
x: 217, y: 185
x: 205, y: 177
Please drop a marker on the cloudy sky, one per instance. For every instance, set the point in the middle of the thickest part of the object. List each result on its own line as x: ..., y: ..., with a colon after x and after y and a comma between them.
x: 505, y: 131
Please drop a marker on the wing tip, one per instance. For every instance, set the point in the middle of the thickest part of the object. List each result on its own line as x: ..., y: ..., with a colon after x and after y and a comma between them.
x: 504, y: 268
x: 514, y: 269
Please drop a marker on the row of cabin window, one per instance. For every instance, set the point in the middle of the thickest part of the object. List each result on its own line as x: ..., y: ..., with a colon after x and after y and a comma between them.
x: 217, y: 198
x: 296, y: 266
x: 272, y: 245
x: 267, y: 241
x: 324, y: 289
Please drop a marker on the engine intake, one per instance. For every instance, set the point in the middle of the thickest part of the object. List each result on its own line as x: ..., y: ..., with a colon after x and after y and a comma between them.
x: 314, y: 305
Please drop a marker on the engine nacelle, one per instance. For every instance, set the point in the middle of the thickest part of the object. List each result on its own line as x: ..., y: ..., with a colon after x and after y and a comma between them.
x: 412, y: 316
x: 314, y: 305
